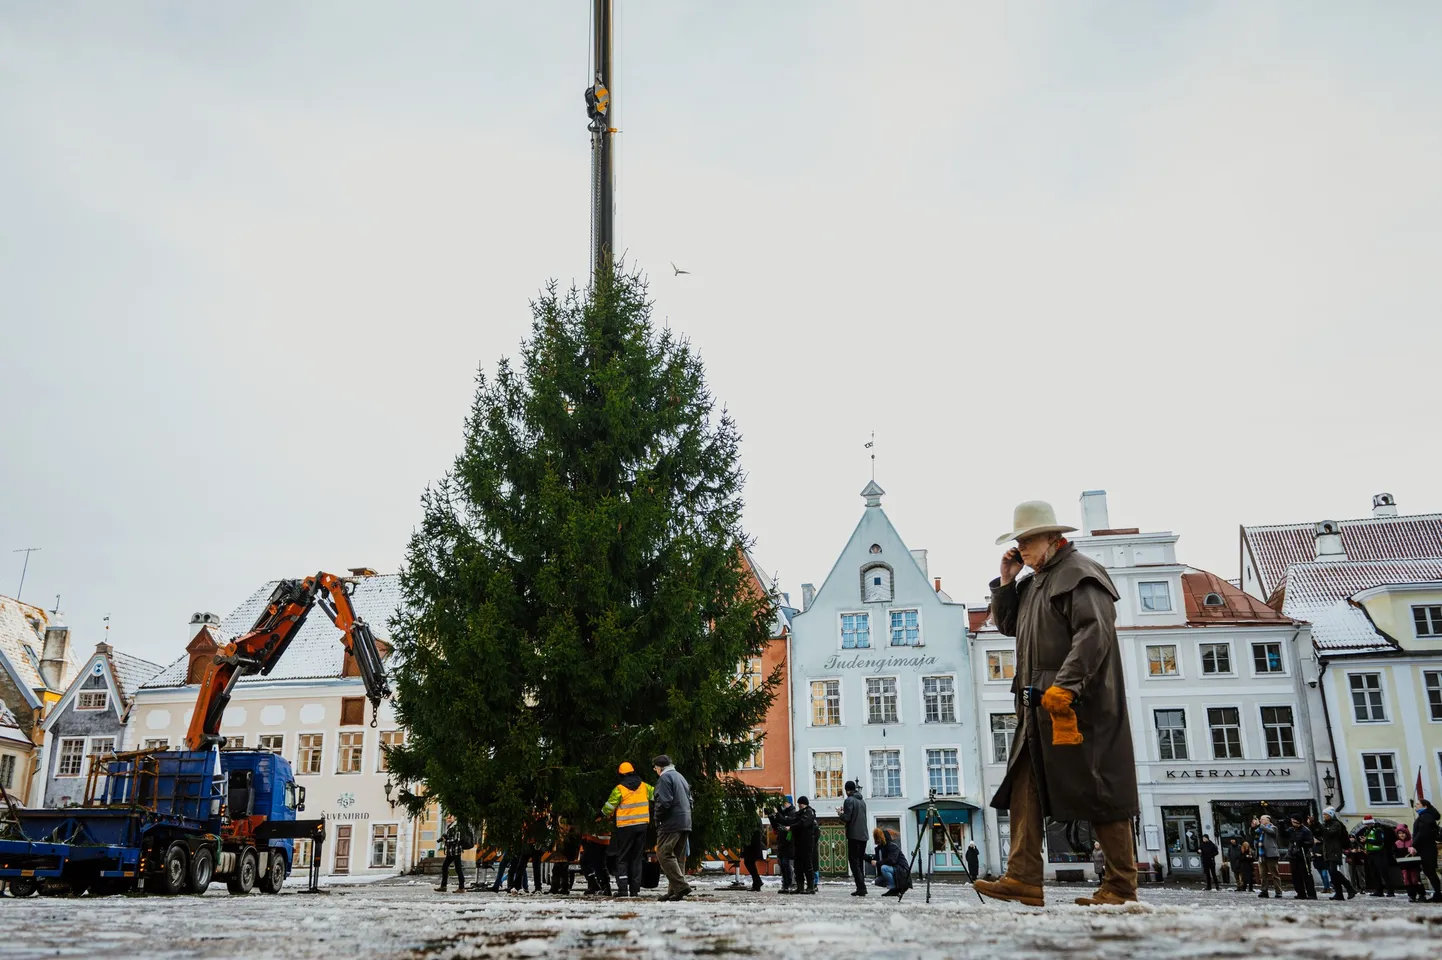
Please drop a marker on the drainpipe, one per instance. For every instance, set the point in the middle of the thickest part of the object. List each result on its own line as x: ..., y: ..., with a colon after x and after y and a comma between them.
x: 790, y: 716
x: 1307, y: 717
x: 1331, y: 740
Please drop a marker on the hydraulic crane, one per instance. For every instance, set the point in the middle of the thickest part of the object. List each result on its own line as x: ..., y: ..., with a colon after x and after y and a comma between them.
x: 259, y: 649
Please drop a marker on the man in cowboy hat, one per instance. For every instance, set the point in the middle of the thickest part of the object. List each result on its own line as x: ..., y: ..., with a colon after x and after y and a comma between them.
x: 1071, y: 758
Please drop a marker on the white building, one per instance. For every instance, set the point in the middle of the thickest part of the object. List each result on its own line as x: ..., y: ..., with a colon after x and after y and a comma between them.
x: 879, y: 679
x: 312, y: 710
x: 1214, y: 679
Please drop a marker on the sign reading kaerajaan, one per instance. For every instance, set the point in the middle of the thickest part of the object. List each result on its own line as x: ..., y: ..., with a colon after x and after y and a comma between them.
x: 838, y: 662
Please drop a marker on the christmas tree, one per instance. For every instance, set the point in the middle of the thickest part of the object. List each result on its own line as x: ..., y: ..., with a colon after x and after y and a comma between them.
x: 577, y: 592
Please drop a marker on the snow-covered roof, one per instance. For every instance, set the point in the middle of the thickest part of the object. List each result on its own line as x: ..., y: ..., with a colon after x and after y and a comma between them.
x: 316, y: 652
x: 10, y: 727
x: 781, y: 621
x: 22, y: 642
x: 1275, y: 548
x: 131, y: 672
x: 1320, y: 592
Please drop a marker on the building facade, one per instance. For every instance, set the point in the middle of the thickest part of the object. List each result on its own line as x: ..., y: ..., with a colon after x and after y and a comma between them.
x: 769, y: 766
x: 879, y: 678
x: 36, y: 666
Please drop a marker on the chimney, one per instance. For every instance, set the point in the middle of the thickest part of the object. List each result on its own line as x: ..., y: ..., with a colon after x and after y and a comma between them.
x: 938, y: 584
x: 1384, y: 505
x: 105, y: 648
x: 54, y: 662
x: 920, y: 557
x: 1329, y: 541
x: 1094, y: 511
x: 808, y: 594
x: 362, y: 572
x: 199, y: 621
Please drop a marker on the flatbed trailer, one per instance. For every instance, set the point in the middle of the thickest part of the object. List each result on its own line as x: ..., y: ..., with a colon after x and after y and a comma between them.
x: 167, y: 821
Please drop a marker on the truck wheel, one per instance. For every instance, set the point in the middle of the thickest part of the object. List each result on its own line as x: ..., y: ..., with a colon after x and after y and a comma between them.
x: 175, y: 872
x: 23, y: 887
x: 274, y: 877
x: 243, y: 879
x: 202, y: 871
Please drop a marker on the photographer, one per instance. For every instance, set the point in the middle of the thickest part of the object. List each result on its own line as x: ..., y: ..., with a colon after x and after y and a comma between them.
x: 892, y: 870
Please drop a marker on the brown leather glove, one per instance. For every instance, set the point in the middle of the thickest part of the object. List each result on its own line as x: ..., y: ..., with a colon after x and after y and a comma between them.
x: 1057, y: 702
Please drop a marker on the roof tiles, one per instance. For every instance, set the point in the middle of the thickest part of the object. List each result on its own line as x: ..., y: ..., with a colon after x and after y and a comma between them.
x: 1230, y: 605
x: 1275, y: 548
x: 1319, y: 592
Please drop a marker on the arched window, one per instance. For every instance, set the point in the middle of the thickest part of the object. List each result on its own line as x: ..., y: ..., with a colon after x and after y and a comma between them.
x: 876, y: 583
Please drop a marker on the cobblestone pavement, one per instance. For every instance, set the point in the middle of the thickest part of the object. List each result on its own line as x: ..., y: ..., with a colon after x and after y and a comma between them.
x: 404, y: 918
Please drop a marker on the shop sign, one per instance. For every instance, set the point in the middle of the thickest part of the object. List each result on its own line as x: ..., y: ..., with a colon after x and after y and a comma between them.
x: 877, y: 664
x: 1201, y: 773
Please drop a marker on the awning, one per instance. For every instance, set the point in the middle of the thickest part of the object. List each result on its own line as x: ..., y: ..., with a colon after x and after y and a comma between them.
x: 950, y: 811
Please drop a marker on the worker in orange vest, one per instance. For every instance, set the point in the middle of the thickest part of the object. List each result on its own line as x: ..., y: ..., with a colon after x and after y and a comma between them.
x: 630, y: 801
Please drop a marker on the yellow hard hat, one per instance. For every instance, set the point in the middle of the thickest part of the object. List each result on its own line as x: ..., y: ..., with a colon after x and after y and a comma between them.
x: 625, y: 768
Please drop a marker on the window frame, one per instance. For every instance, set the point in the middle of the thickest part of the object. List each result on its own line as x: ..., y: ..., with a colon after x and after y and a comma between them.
x: 395, y: 844
x: 341, y: 747
x: 811, y: 769
x: 926, y: 767
x: 7, y: 777
x: 1396, y: 771
x: 1143, y: 609
x: 841, y: 629
x: 1285, y: 668
x: 225, y: 742
x: 1434, y: 710
x: 840, y: 704
x: 1241, y: 730
x: 381, y: 745
x: 156, y: 743
x: 900, y: 772
x: 1231, y: 670
x: 1177, y: 673
x: 1296, y: 740
x: 920, y: 633
x: 1380, y: 691
x: 102, y: 692
x: 271, y: 749
x: 921, y: 690
x: 896, y: 696
x: 296, y: 768
x: 60, y: 757
x: 1436, y: 624
x: 1157, y: 735
x: 986, y: 665
x: 1009, y: 734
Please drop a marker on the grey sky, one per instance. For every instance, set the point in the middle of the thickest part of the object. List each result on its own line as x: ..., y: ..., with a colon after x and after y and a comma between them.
x: 251, y: 255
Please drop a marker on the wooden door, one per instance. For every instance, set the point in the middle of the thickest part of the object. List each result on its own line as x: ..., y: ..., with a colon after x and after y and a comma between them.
x: 342, y: 848
x: 833, y: 848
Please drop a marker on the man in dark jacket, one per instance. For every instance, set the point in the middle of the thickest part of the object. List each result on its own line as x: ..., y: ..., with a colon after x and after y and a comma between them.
x: 1299, y: 855
x: 1072, y: 757
x: 672, y: 796
x: 782, y: 821
x: 1378, y: 847
x: 804, y: 835
x: 1334, y: 839
x: 1425, y: 834
x: 454, y: 843
x: 1209, y: 863
x: 751, y: 856
x: 973, y: 860
x: 853, y: 814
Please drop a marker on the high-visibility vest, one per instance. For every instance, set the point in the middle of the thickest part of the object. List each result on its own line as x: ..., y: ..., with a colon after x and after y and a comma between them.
x: 634, y: 809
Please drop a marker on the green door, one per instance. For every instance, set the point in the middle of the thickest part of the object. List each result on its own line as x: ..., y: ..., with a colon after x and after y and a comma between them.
x: 833, y: 848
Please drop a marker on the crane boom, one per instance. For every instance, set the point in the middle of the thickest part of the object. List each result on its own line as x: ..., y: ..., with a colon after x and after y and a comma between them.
x: 259, y: 649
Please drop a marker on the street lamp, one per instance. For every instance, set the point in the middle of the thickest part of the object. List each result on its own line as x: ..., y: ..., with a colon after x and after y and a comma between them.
x: 390, y: 787
x: 1329, y: 784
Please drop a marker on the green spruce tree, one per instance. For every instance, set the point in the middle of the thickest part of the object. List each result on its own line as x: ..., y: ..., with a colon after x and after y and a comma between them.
x: 577, y: 593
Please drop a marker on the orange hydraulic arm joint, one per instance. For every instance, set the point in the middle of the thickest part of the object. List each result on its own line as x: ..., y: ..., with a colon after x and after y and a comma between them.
x: 258, y: 650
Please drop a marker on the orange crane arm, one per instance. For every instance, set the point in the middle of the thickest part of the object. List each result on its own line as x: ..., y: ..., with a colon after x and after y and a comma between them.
x: 259, y: 649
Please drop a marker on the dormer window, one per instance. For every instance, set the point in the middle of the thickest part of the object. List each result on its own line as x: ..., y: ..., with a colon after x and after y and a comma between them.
x: 1155, y: 596
x: 876, y: 583
x: 1213, y: 600
x: 875, y: 548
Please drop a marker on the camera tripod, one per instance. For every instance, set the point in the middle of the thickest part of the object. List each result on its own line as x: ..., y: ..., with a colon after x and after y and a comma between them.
x: 933, y: 821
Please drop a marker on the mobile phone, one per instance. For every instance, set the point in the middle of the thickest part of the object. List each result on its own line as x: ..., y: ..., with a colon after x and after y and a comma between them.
x: 1014, y: 555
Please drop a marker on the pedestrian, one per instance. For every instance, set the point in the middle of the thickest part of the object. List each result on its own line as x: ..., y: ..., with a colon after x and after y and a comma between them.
x: 563, y: 855
x: 1099, y: 862
x: 1356, y: 862
x: 672, y: 797
x: 1071, y: 758
x: 1334, y: 836
x: 1209, y: 863
x: 782, y: 820
x: 454, y: 843
x: 1319, y: 863
x: 1269, y: 854
x: 1405, y: 853
x: 630, y: 802
x: 1233, y: 853
x: 853, y: 813
x: 751, y: 855
x: 973, y: 860
x: 1425, y: 834
x: 595, y: 847
x: 1299, y: 856
x: 892, y: 870
x: 805, y: 834
x: 1379, y: 857
x: 1249, y: 866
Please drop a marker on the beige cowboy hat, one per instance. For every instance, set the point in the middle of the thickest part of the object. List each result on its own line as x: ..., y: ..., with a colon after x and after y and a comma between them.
x: 1034, y: 516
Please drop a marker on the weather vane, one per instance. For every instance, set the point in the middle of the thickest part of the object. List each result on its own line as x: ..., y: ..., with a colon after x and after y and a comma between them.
x: 871, y: 445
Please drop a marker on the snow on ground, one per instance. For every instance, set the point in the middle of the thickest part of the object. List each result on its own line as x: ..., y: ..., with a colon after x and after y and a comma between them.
x: 404, y: 918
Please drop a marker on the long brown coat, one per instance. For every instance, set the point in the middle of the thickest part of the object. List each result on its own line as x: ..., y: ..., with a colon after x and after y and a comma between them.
x: 1064, y: 621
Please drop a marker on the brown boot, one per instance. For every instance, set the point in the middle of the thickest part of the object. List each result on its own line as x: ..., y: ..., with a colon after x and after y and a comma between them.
x: 1008, y: 889
x: 1105, y: 898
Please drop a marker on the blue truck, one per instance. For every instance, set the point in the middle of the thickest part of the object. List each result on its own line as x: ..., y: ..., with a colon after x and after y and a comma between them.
x: 166, y: 821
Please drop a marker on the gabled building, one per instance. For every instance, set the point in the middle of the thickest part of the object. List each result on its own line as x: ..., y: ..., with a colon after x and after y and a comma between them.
x: 89, y: 721
x: 36, y: 666
x: 769, y: 766
x: 880, y: 681
x: 17, y: 751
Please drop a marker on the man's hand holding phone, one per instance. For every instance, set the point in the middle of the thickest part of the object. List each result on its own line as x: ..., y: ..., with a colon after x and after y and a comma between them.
x: 1011, y: 564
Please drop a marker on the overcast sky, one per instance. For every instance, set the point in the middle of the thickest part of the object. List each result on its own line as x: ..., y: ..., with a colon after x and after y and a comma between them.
x: 252, y: 255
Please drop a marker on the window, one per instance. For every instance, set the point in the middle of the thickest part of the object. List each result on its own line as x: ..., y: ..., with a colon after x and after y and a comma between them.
x: 1003, y: 731
x: 943, y: 772
x: 825, y: 703
x: 749, y: 674
x: 1367, y: 697
x: 92, y: 700
x: 1428, y: 619
x: 1213, y: 600
x: 855, y: 631
x: 157, y: 743
x: 938, y: 695
x: 1171, y: 734
x: 303, y: 850
x: 1226, y: 726
x: 1000, y: 664
x: 826, y: 778
x: 1162, y: 660
x: 1380, y: 770
x: 753, y: 760
x: 383, y: 844
x: 389, y: 739
x: 1156, y: 596
x: 1432, y: 681
x: 905, y: 628
x: 1277, y: 725
x: 1267, y: 657
x: 352, y: 711
x: 886, y: 773
x: 876, y: 583
x: 881, y: 700
x: 307, y: 760
x: 7, y: 771
x: 351, y: 748
x: 274, y: 742
x: 232, y: 743
x: 1216, y: 658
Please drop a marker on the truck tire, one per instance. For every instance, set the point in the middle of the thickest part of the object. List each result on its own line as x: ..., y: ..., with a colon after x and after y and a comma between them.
x: 243, y: 879
x: 23, y: 887
x: 274, y: 877
x: 175, y: 869
x: 202, y: 871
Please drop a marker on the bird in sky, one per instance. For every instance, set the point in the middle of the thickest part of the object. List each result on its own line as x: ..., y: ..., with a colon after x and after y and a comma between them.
x: 678, y: 270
